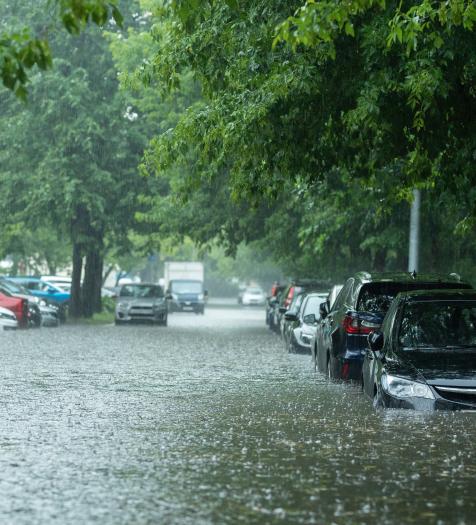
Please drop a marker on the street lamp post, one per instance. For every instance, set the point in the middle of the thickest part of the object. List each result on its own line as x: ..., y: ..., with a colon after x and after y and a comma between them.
x: 414, y: 245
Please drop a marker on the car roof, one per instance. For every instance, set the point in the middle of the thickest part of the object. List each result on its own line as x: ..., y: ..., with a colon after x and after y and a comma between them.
x: 433, y: 295
x: 410, y: 277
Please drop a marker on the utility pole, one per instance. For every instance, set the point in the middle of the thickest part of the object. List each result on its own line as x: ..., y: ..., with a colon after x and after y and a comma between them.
x: 414, y: 249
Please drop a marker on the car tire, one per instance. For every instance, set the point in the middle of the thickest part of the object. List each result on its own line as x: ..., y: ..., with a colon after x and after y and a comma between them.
x: 118, y: 322
x: 330, y: 371
x: 377, y: 400
x: 314, y: 359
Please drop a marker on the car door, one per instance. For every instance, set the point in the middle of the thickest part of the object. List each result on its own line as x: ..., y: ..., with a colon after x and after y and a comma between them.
x: 328, y: 327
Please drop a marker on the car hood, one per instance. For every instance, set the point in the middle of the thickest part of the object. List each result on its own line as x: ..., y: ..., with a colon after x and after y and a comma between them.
x: 443, y: 367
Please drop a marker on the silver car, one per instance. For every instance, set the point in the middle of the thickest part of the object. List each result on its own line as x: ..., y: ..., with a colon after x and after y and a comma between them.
x: 141, y: 302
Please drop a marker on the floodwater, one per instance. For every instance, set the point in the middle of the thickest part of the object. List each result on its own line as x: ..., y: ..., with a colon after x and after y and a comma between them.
x: 209, y: 421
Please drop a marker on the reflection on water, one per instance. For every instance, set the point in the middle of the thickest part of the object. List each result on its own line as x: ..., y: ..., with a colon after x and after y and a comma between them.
x: 209, y: 421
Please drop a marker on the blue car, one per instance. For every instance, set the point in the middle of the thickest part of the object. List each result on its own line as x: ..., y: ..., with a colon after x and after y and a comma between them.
x: 49, y: 292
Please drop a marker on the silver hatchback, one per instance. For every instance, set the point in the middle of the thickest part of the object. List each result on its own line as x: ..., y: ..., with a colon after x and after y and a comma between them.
x: 141, y: 302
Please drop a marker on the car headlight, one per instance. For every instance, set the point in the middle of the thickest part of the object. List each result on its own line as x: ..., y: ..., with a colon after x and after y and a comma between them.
x: 174, y: 296
x: 42, y: 302
x: 200, y: 297
x: 399, y: 387
x: 10, y: 317
x: 122, y: 305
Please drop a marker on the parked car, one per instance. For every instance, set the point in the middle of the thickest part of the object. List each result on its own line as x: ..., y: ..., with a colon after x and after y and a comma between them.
x: 16, y: 290
x: 424, y: 355
x: 295, y: 288
x: 359, y: 309
x: 253, y: 296
x: 50, y: 293
x: 58, y: 280
x: 8, y: 320
x: 141, y: 302
x: 304, y: 324
x: 289, y: 316
x: 16, y: 305
x: 272, y: 305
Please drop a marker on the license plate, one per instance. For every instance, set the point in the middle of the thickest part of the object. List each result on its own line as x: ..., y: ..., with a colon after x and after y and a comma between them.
x: 187, y: 303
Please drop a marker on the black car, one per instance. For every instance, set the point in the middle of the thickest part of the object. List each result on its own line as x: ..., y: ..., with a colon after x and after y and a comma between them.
x: 359, y: 309
x: 424, y: 356
x: 302, y: 324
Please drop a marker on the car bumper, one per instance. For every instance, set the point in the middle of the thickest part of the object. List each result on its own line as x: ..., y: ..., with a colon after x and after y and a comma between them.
x: 179, y: 306
x: 7, y: 324
x: 421, y: 404
x: 127, y: 316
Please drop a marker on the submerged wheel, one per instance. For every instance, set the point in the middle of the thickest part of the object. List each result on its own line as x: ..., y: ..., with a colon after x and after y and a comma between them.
x: 377, y: 401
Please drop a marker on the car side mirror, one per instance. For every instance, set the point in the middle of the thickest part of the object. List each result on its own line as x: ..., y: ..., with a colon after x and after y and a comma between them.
x: 282, y: 309
x: 290, y: 316
x: 205, y: 293
x: 375, y: 340
x: 168, y: 296
x: 324, y: 309
x: 51, y: 290
x: 310, y: 319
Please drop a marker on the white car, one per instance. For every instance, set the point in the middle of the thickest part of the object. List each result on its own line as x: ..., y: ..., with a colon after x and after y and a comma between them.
x: 253, y: 297
x: 8, y: 320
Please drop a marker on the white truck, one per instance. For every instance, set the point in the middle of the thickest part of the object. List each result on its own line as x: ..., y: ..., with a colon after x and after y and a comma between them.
x: 183, y: 282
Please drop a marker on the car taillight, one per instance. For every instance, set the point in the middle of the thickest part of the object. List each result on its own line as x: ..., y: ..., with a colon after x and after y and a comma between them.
x: 354, y: 325
x: 289, y: 298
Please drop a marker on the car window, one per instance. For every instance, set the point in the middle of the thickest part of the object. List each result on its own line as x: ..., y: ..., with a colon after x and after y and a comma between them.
x: 296, y: 302
x: 342, y: 294
x: 312, y: 305
x: 438, y: 324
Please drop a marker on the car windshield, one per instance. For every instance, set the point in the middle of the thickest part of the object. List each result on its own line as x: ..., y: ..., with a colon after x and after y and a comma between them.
x: 186, y: 287
x: 137, y: 290
x: 438, y: 324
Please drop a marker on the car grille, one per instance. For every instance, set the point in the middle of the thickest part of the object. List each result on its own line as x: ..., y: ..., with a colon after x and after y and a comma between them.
x: 458, y: 394
x: 141, y: 311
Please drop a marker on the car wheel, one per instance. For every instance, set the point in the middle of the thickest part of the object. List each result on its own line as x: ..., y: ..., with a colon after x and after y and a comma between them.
x: 377, y: 401
x: 118, y: 322
x: 330, y: 374
x: 314, y: 359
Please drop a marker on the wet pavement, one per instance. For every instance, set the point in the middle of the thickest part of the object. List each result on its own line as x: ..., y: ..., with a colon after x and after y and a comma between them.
x: 209, y: 421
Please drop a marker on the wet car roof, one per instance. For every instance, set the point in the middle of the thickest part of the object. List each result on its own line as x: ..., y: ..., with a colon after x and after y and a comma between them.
x: 431, y: 295
x: 409, y: 277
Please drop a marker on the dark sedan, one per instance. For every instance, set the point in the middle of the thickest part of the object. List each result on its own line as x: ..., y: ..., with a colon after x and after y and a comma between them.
x: 424, y: 356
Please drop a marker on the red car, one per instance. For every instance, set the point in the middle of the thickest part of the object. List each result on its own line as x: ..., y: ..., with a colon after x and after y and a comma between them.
x: 18, y: 306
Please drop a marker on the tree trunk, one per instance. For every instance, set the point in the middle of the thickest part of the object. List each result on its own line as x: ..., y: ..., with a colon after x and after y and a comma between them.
x: 75, y: 302
x: 92, y: 284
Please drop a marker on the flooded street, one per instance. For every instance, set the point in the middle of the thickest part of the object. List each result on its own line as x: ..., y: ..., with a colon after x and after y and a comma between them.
x: 209, y: 421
